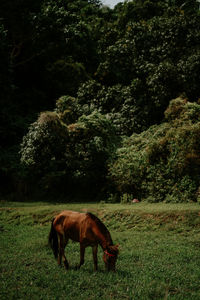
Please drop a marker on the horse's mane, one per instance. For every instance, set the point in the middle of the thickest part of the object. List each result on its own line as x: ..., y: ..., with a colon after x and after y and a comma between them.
x: 101, y: 226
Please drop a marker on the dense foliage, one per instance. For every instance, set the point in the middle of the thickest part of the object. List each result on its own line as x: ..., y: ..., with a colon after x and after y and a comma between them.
x: 99, y: 77
x: 69, y: 157
x: 162, y: 163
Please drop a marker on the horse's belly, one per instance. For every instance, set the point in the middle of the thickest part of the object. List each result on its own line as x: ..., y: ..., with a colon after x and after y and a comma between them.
x: 73, y: 235
x: 78, y: 236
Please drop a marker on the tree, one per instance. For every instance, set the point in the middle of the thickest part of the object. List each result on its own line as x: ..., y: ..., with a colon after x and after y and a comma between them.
x: 77, y: 154
x: 162, y: 163
x: 123, y: 65
x: 42, y: 46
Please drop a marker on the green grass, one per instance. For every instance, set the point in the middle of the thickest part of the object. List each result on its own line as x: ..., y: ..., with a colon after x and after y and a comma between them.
x: 159, y: 253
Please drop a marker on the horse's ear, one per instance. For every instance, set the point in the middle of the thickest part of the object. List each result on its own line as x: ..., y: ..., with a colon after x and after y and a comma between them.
x: 118, y: 247
x: 113, y: 249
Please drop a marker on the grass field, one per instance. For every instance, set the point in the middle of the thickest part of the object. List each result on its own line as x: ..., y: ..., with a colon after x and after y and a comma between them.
x: 159, y: 253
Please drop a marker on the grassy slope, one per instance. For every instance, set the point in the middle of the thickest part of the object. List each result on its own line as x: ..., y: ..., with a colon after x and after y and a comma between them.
x: 159, y: 257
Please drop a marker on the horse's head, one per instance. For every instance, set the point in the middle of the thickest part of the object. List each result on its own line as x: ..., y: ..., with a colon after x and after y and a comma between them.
x: 110, y: 257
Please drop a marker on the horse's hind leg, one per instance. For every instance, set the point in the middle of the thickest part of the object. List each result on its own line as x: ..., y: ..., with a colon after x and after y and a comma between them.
x: 61, y: 253
x: 59, y: 249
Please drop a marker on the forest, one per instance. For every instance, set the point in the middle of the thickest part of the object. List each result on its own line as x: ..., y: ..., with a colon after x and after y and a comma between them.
x: 99, y: 103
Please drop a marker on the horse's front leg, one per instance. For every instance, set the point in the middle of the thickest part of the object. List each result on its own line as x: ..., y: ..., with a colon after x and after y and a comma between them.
x: 82, y: 254
x: 94, y: 252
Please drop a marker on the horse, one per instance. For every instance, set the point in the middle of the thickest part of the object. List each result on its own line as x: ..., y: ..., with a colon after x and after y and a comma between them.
x: 86, y: 229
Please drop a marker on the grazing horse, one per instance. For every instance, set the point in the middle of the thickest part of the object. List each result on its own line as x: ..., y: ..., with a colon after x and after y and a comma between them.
x: 86, y: 229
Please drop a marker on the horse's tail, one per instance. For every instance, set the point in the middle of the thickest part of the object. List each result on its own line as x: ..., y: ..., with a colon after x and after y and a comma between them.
x: 53, y: 239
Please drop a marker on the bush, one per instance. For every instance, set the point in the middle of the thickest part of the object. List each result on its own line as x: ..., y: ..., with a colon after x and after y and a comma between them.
x: 162, y: 163
x: 126, y: 198
x: 65, y: 156
x: 38, y: 149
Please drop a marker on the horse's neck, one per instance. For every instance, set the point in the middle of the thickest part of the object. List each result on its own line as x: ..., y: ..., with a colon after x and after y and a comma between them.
x: 105, y: 240
x: 102, y: 234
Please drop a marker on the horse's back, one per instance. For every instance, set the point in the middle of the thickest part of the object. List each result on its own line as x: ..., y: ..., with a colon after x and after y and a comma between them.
x: 70, y: 223
x: 80, y: 227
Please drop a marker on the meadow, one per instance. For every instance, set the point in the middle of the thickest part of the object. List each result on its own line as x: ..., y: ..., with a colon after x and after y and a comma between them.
x: 159, y: 253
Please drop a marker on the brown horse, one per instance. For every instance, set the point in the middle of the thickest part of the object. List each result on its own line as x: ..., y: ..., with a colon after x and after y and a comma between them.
x: 86, y: 229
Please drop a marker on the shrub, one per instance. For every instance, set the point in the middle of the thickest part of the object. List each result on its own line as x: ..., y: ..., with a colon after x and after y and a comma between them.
x: 38, y: 147
x: 162, y: 163
x: 126, y: 198
x: 66, y: 156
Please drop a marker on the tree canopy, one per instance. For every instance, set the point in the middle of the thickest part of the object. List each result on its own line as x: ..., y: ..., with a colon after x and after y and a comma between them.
x: 82, y: 84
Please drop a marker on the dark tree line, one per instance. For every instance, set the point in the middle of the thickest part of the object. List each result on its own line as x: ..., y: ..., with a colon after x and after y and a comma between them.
x: 78, y: 79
